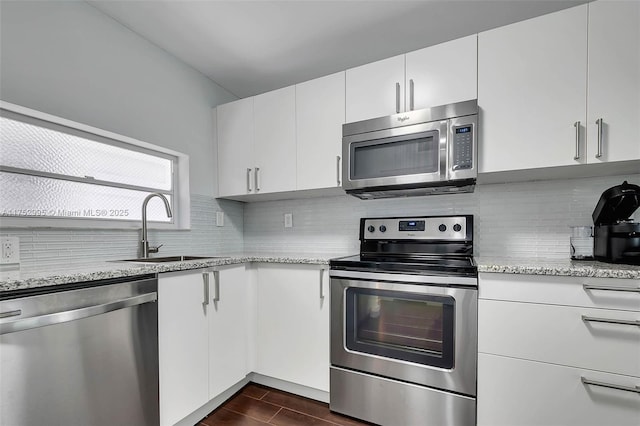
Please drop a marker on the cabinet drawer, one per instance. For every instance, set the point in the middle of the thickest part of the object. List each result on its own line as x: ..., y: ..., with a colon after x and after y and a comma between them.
x: 572, y: 336
x: 515, y: 392
x: 555, y: 290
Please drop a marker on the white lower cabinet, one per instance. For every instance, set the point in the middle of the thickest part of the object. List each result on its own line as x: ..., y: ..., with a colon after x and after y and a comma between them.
x: 558, y: 351
x: 513, y: 392
x: 293, y: 324
x: 182, y: 344
x: 228, y: 314
x: 202, y: 341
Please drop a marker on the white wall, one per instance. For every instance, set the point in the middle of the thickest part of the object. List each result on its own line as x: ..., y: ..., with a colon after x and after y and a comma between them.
x: 68, y: 59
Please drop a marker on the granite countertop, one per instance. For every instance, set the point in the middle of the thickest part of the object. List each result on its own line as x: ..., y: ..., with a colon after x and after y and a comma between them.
x: 557, y: 267
x: 114, y: 269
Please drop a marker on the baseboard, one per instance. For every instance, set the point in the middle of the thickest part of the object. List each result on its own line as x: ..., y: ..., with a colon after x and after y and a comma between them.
x: 290, y: 387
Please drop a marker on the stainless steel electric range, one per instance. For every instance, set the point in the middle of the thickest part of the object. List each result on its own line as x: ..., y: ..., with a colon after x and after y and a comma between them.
x: 404, y: 323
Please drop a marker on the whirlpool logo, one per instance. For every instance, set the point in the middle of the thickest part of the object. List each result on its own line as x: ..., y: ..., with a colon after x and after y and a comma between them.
x: 403, y: 118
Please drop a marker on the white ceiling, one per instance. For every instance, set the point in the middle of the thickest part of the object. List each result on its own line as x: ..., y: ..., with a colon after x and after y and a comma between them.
x: 251, y: 47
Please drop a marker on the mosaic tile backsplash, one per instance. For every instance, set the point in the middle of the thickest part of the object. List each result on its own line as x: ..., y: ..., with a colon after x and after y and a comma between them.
x: 518, y: 220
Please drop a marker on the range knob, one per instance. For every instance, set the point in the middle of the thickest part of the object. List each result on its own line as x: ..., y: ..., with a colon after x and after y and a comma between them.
x: 383, y: 228
x: 371, y: 228
x: 442, y: 227
x: 457, y: 227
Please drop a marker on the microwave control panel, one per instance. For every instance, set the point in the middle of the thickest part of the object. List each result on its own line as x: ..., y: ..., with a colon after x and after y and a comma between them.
x: 462, y: 147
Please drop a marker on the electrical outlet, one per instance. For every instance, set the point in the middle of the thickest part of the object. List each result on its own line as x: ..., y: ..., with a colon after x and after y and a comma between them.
x: 219, y: 218
x: 10, y: 250
x: 288, y: 220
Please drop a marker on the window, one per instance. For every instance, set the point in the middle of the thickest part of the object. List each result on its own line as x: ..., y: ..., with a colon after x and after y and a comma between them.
x: 53, y: 171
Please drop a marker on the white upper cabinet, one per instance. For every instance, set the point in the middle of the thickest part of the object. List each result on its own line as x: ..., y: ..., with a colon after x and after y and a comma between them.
x: 375, y: 90
x: 275, y: 141
x: 320, y: 113
x: 531, y: 92
x: 235, y: 147
x: 614, y: 80
x: 442, y: 74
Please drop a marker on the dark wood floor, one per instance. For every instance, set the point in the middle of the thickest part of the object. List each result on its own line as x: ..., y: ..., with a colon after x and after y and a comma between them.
x: 257, y: 405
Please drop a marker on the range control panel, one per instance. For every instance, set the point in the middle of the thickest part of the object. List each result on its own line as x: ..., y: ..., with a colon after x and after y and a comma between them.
x: 451, y: 228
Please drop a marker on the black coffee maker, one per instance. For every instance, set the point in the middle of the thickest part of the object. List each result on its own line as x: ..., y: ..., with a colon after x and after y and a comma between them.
x: 616, y: 238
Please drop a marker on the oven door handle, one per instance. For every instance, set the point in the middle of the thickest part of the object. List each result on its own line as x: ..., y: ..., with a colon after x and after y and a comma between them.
x: 405, y: 278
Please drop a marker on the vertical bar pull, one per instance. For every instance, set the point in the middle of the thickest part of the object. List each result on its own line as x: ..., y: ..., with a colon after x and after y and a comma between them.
x: 397, y: 98
x: 577, y: 126
x: 322, y: 269
x: 216, y: 286
x: 205, y: 280
x: 249, y: 180
x: 338, y: 170
x: 257, y: 175
x: 411, y: 95
x: 599, y: 124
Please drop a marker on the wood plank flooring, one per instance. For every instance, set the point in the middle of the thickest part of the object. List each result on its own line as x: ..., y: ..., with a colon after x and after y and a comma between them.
x: 257, y: 405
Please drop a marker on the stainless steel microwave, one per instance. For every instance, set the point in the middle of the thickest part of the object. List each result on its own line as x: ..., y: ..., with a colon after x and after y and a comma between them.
x: 423, y: 152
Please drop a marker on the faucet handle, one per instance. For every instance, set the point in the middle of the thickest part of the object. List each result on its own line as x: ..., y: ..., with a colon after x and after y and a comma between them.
x: 155, y: 249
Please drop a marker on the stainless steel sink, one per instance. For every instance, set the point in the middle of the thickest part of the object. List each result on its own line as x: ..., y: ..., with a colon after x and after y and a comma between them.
x: 169, y: 259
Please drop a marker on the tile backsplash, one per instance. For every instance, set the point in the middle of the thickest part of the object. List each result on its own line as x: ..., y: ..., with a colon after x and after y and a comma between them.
x: 46, y: 248
x: 527, y: 219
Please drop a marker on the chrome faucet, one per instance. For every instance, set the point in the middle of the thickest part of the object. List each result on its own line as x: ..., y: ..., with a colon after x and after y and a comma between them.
x: 146, y: 249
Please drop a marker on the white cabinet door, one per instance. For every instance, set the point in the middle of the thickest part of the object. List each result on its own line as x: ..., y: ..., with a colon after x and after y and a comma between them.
x: 293, y: 324
x: 531, y: 91
x: 614, y: 80
x: 275, y: 140
x: 442, y: 74
x: 375, y: 90
x: 514, y: 392
x: 228, y: 313
x: 319, y: 118
x: 235, y: 147
x: 183, y: 345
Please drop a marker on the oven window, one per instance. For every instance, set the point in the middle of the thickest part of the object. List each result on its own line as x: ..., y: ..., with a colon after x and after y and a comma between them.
x: 387, y: 158
x: 407, y: 326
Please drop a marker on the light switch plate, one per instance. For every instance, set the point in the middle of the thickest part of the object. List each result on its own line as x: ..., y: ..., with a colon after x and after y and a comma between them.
x: 288, y: 220
x: 10, y: 250
x: 219, y: 218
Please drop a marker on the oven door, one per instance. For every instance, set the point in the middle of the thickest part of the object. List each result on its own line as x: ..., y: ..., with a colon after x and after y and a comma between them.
x: 408, y: 155
x: 411, y: 328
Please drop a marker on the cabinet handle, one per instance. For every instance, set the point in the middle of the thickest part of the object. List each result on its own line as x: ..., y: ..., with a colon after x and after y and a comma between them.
x: 205, y: 280
x: 249, y: 180
x: 257, y: 179
x: 611, y: 321
x: 397, y: 98
x: 321, y: 283
x: 411, y: 95
x: 338, y: 170
x: 612, y: 288
x: 577, y: 126
x: 599, y: 124
x: 10, y: 314
x: 635, y: 389
x: 216, y: 286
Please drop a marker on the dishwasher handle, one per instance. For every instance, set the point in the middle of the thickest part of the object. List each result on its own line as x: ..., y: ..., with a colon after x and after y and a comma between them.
x: 75, y: 314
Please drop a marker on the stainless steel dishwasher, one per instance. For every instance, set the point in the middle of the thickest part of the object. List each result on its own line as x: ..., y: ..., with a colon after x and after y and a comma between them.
x: 82, y: 354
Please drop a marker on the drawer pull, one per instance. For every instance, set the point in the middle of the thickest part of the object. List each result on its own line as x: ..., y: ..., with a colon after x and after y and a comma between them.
x: 635, y: 389
x: 612, y: 288
x: 611, y: 321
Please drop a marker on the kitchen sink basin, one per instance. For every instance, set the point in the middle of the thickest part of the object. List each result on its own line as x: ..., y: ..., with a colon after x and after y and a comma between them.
x: 169, y: 259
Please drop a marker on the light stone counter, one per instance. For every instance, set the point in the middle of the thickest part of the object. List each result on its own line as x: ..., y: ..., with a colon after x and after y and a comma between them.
x: 558, y: 267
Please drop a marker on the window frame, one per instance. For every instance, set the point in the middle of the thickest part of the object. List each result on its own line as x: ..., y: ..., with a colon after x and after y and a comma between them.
x: 180, y: 175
